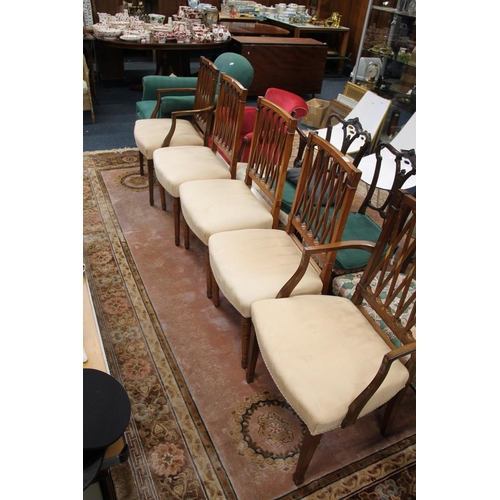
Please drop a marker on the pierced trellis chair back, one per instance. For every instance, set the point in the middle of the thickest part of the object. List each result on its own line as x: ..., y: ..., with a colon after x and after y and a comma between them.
x: 325, y: 192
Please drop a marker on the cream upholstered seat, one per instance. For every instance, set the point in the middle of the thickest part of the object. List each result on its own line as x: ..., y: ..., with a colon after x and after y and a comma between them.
x: 327, y: 354
x: 254, y: 264
x: 215, y: 205
x: 175, y: 166
x: 153, y: 133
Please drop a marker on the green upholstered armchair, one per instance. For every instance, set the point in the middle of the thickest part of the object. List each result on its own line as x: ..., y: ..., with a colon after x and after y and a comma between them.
x: 177, y: 92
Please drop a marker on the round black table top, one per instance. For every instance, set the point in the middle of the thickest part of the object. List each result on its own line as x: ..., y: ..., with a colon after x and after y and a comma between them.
x: 106, y: 410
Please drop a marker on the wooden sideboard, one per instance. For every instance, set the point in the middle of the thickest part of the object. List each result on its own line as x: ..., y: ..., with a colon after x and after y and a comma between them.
x: 293, y: 64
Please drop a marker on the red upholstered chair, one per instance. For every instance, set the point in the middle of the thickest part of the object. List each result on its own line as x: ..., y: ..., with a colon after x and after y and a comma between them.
x: 291, y: 103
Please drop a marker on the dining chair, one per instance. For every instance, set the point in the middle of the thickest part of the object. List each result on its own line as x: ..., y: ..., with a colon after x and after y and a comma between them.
x: 371, y: 111
x: 184, y: 128
x: 175, y: 166
x: 87, y: 95
x: 252, y: 264
x: 162, y: 95
x: 367, y: 222
x: 352, y: 130
x: 210, y: 206
x: 292, y: 103
x: 327, y: 354
x: 406, y: 139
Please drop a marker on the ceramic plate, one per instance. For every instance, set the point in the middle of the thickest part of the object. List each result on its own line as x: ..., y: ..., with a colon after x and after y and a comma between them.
x: 130, y: 38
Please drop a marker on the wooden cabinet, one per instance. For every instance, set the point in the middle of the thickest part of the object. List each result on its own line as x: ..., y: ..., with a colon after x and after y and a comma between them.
x: 293, y: 64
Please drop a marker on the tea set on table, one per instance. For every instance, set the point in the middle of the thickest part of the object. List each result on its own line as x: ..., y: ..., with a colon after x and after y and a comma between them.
x: 183, y: 27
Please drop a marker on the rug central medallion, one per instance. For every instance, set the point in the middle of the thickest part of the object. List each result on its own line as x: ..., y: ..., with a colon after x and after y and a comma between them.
x: 267, y: 431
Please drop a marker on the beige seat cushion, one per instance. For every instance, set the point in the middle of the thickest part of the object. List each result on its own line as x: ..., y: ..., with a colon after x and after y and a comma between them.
x: 174, y: 166
x: 150, y: 133
x: 254, y: 264
x: 213, y: 206
x: 322, y: 352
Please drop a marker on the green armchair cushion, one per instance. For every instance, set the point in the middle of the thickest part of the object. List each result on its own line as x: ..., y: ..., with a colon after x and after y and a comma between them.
x: 182, y: 100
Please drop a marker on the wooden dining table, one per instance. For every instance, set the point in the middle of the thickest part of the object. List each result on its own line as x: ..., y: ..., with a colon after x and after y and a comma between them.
x: 171, y: 56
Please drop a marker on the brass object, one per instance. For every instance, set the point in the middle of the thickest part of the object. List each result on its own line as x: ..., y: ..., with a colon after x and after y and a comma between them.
x: 334, y: 20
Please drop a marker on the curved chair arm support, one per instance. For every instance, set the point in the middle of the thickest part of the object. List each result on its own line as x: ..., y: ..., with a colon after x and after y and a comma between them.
x: 307, y: 252
x: 176, y: 114
x: 359, y: 403
x: 159, y: 95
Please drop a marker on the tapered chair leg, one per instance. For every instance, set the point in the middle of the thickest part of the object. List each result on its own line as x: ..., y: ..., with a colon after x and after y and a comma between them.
x: 208, y: 274
x: 253, y: 354
x: 177, y: 221
x: 309, y: 445
x: 151, y: 182
x: 246, y: 324
x: 186, y: 234
x: 391, y: 410
x: 141, y: 163
x: 215, y: 290
x: 163, y: 198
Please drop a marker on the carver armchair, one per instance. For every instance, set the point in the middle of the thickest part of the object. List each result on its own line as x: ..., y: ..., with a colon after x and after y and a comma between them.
x: 327, y: 354
x: 184, y: 128
x: 367, y: 222
x: 216, y: 205
x: 253, y: 264
x: 162, y: 95
x: 175, y: 166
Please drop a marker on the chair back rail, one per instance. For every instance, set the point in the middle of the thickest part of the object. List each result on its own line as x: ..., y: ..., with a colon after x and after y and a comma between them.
x: 393, y: 295
x: 405, y: 166
x: 351, y: 130
x: 228, y: 120
x: 201, y: 116
x: 270, y: 151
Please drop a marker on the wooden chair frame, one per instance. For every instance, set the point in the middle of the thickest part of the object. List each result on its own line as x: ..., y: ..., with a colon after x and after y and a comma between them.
x: 333, y: 176
x: 399, y: 232
x: 201, y: 116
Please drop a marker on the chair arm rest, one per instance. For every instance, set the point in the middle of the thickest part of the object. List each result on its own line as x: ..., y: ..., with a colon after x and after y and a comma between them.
x: 152, y: 82
x: 359, y: 403
x: 177, y: 114
x: 160, y: 93
x: 308, y: 252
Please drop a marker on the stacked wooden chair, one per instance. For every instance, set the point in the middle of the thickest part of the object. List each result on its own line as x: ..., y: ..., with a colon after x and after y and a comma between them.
x: 218, y: 205
x: 176, y: 166
x: 184, y: 128
x: 253, y: 264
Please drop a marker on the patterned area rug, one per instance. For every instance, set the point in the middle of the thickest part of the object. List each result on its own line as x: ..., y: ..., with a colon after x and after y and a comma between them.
x: 198, y: 430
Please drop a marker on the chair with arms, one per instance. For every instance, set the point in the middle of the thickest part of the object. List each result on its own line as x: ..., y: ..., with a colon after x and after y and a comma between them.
x: 327, y: 354
x: 252, y: 264
x: 290, y: 102
x: 175, y: 166
x: 352, y: 131
x: 151, y: 134
x: 216, y: 205
x: 362, y: 225
x: 163, y: 95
